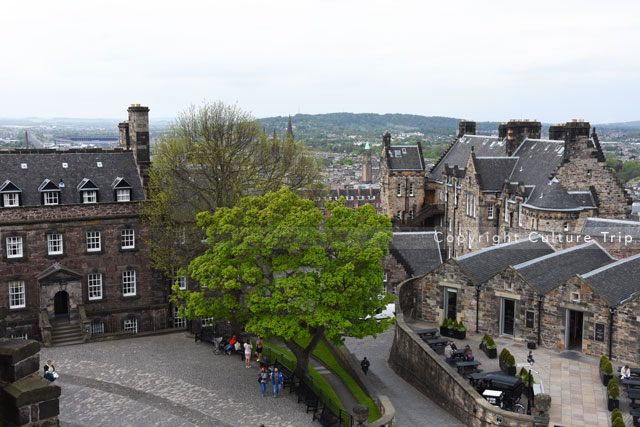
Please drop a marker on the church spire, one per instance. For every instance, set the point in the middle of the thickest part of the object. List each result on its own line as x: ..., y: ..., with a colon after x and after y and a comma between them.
x: 289, y: 128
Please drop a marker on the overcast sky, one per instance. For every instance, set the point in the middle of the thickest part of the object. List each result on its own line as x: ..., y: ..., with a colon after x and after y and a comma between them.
x: 481, y: 60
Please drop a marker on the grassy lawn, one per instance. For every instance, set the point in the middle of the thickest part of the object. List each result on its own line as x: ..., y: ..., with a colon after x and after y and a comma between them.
x: 322, y: 384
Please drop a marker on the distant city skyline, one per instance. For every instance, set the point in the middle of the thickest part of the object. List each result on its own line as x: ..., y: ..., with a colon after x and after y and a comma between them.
x: 483, y: 61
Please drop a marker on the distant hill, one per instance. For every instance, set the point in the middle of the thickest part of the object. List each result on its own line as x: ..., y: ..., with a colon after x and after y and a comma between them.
x: 370, y: 124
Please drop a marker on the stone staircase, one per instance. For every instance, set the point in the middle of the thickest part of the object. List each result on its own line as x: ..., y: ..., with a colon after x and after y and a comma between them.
x: 66, y: 333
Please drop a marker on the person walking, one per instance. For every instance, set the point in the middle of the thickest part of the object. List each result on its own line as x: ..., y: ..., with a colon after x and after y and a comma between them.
x: 263, y: 377
x: 276, y: 381
x: 259, y: 349
x: 365, y: 365
x: 247, y: 354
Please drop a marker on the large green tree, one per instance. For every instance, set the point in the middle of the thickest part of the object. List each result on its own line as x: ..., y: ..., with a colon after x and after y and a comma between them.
x: 279, y: 267
x: 212, y: 156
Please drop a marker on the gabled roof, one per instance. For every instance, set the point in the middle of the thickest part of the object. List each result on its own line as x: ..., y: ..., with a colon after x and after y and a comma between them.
x: 485, y: 263
x: 59, y: 270
x: 493, y: 171
x: 69, y: 167
x: 405, y: 157
x: 120, y: 182
x: 547, y: 272
x: 9, y: 187
x: 418, y: 252
x: 616, y: 282
x: 48, y: 185
x: 86, y: 184
x: 458, y: 154
x: 594, y: 226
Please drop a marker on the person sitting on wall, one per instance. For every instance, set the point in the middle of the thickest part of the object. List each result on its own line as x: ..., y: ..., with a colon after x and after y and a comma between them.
x: 625, y: 372
x: 230, y: 345
x: 448, y: 352
x: 50, y: 371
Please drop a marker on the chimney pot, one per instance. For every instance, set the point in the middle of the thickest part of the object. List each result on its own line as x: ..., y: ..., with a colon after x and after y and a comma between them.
x: 137, y: 105
x: 133, y: 105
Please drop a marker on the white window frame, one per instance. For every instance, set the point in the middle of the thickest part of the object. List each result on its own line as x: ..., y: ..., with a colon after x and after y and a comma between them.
x: 208, y: 321
x: 17, y: 294
x: 565, y: 226
x: 506, y: 211
x: 178, y: 322
x: 94, y: 286
x: 130, y: 325
x: 14, y: 247
x: 123, y: 194
x: 90, y: 196
x: 54, y: 244
x: 575, y: 296
x: 411, y: 214
x: 455, y: 196
x: 450, y: 226
x: 51, y: 198
x: 128, y: 283
x: 411, y: 189
x: 508, y: 286
x: 490, y: 212
x: 94, y: 241
x: 520, y: 215
x: 399, y: 190
x: 20, y: 336
x: 128, y: 238
x: 11, y: 200
x: 459, y: 229
x: 182, y: 282
x: 469, y: 239
x: 385, y: 278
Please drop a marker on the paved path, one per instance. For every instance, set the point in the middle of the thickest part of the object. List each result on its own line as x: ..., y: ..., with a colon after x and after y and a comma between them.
x: 412, y: 407
x: 164, y: 380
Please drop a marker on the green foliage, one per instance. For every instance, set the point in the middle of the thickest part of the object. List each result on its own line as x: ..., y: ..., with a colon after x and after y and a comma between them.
x: 624, y: 171
x: 618, y: 422
x: 607, y: 369
x: 279, y: 267
x: 613, y: 389
x: 346, y: 161
x: 509, y: 360
x: 603, y: 360
x: 524, y: 376
x: 460, y: 326
x: 503, y: 354
x: 212, y: 156
x: 444, y: 323
x: 450, y: 323
x: 489, y: 342
x: 616, y: 413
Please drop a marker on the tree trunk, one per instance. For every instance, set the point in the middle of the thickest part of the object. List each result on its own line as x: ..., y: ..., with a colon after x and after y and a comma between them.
x: 302, y: 354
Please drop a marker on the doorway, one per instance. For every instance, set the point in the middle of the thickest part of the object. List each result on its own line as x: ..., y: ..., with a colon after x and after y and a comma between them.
x: 61, y: 304
x: 508, y: 317
x: 450, y: 301
x: 573, y: 331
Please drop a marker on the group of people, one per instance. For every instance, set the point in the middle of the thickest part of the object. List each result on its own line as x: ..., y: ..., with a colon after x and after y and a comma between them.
x: 276, y: 380
x: 235, y: 345
x: 467, y: 355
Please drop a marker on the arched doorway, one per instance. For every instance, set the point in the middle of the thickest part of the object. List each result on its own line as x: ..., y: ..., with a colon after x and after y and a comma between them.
x: 61, y: 304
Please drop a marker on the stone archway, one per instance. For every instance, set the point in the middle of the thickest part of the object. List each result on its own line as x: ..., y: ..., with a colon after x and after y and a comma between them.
x: 60, y: 293
x: 61, y: 304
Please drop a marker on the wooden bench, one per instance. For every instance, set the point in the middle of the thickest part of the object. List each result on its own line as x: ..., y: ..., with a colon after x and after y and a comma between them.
x: 427, y: 333
x: 306, y: 395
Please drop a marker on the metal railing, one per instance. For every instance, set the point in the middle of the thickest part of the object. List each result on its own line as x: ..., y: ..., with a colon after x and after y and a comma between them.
x: 273, y: 355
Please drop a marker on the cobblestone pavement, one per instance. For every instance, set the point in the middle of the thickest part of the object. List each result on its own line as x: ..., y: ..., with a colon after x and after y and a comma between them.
x: 164, y: 380
x: 412, y: 407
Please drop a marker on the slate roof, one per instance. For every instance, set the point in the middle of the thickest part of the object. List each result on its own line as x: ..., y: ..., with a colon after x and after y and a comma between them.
x: 486, y: 262
x: 547, y: 272
x: 458, y: 154
x: 418, y: 252
x: 616, y: 282
x: 594, y: 226
x: 44, y: 165
x: 493, y: 171
x: 405, y: 157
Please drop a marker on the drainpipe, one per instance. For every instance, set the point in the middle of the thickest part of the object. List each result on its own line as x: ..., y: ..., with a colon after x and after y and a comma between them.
x: 540, y: 300
x: 612, y: 312
x: 477, y: 307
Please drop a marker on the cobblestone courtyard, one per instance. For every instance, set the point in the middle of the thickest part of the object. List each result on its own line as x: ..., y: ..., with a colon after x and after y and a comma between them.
x: 164, y: 380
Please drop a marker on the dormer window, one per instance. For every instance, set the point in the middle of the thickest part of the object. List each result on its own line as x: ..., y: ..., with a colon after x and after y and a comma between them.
x: 11, y: 194
x: 88, y: 191
x: 122, y: 190
x: 49, y: 193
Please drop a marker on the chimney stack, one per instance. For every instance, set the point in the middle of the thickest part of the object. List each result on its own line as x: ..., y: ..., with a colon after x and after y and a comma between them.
x: 466, y: 127
x: 138, y: 139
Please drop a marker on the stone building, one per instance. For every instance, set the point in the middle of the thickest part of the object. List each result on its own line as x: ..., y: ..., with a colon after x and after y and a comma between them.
x: 411, y: 254
x: 402, y: 184
x: 74, y: 259
x: 494, y: 186
x: 579, y: 299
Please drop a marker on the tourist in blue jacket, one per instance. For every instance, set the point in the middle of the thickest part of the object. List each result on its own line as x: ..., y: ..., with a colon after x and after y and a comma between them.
x: 276, y: 380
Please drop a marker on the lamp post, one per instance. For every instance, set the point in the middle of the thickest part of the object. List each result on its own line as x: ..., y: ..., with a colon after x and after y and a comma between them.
x: 540, y: 300
x: 477, y: 307
x: 612, y: 312
x: 530, y: 361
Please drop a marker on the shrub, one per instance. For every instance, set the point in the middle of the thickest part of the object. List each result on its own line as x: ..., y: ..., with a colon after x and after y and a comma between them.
x: 450, y: 323
x: 603, y: 360
x: 503, y: 354
x: 460, y: 327
x: 485, y: 338
x: 615, y: 414
x: 613, y: 389
x: 607, y: 369
x: 510, y: 360
x: 522, y: 373
x: 618, y: 422
x: 444, y: 323
x: 490, y: 343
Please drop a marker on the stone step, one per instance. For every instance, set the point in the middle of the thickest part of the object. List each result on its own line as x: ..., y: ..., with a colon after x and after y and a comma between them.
x: 63, y: 343
x: 65, y: 334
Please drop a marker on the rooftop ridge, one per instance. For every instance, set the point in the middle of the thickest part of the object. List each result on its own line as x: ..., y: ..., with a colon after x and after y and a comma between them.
x: 559, y: 253
x: 608, y: 266
x: 502, y: 245
x: 615, y: 221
